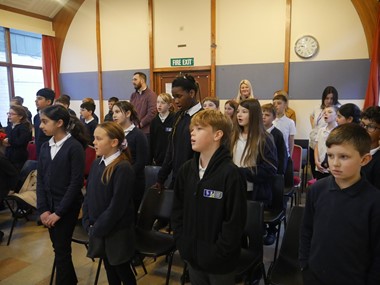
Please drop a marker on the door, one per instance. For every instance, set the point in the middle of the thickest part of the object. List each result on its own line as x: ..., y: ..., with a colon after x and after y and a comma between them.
x: 163, y: 80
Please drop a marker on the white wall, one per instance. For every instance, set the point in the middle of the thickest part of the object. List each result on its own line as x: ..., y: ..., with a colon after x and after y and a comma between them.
x: 25, y: 23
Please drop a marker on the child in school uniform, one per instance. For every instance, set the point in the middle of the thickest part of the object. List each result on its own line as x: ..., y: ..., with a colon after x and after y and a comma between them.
x: 87, y: 110
x: 230, y: 109
x: 348, y: 113
x: 269, y: 115
x: 209, y: 208
x: 108, y: 210
x: 184, y: 91
x: 126, y: 116
x: 254, y: 151
x: 59, y: 182
x: 210, y: 103
x: 283, y: 123
x: 370, y: 120
x: 160, y: 128
x: 320, y: 157
x: 19, y: 134
x: 340, y: 232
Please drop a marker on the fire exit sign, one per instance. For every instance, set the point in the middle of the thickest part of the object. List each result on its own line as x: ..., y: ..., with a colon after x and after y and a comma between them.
x: 189, y: 61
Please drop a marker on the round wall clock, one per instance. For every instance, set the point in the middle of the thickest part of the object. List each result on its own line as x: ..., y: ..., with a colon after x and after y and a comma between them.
x: 306, y: 46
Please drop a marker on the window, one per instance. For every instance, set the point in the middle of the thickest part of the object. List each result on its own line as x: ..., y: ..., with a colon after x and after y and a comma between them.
x: 20, y: 68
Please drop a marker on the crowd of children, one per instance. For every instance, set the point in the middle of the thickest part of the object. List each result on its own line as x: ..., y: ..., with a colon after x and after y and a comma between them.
x: 217, y: 162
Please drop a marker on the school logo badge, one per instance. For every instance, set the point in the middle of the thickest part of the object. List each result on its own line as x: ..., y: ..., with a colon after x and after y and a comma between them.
x: 213, y: 194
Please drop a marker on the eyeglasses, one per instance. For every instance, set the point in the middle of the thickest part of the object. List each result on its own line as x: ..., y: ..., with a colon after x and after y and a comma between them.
x: 369, y: 128
x: 11, y: 114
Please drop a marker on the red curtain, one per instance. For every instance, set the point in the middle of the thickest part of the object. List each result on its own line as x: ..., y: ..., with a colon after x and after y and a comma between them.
x: 372, y: 95
x: 50, y: 64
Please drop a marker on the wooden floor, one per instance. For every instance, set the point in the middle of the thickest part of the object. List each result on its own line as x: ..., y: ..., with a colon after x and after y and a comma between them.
x: 29, y: 258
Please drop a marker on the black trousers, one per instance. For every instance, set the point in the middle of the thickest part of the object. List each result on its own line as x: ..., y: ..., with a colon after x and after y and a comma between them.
x: 119, y: 274
x: 60, y: 235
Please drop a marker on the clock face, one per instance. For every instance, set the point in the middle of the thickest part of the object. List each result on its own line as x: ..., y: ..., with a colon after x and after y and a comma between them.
x: 306, y: 46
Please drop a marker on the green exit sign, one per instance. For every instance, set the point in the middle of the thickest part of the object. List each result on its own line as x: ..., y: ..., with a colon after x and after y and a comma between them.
x: 182, y: 61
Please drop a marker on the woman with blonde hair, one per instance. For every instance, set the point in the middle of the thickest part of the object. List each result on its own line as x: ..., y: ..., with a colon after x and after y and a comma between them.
x: 245, y: 91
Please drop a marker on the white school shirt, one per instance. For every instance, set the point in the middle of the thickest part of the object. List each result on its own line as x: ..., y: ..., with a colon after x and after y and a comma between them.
x: 110, y: 159
x: 321, y: 138
x: 56, y: 146
x: 238, y: 156
x: 287, y: 128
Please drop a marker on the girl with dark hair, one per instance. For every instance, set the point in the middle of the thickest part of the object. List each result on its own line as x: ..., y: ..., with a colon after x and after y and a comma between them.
x: 230, y: 109
x: 184, y: 91
x: 19, y: 134
x: 108, y: 210
x: 59, y: 183
x: 254, y: 151
x: 348, y: 113
x: 126, y: 116
x: 329, y: 98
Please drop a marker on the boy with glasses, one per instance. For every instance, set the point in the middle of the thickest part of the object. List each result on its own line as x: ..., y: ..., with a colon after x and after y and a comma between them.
x: 370, y: 120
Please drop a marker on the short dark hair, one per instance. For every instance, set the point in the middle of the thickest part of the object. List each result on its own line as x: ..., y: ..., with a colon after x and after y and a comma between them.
x: 372, y: 113
x: 18, y: 99
x: 47, y: 93
x: 113, y: 99
x: 352, y: 134
x: 88, y: 106
x: 186, y: 82
x: 281, y: 97
x: 350, y: 110
x: 141, y: 74
x: 63, y: 100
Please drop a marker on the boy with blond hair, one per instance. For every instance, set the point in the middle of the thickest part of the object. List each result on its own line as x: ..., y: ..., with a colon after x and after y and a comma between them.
x: 340, y: 232
x: 209, y: 209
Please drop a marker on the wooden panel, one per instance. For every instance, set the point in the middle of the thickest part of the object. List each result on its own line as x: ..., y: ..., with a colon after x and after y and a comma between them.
x: 61, y: 24
x: 367, y: 11
x: 213, y: 48
x: 288, y: 28
x: 26, y: 13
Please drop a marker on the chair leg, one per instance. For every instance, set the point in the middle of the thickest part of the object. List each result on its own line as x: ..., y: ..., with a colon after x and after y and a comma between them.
x: 169, y: 267
x: 12, y: 227
x: 183, y: 277
x: 134, y: 269
x: 98, y: 271
x: 277, y: 242
x: 264, y: 274
x: 52, y: 274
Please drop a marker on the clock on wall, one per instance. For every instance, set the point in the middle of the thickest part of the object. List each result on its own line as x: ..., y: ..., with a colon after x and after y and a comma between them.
x: 306, y: 46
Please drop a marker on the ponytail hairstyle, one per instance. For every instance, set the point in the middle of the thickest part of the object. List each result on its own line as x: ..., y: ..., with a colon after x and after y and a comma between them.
x: 71, y: 124
x: 114, y: 131
x: 257, y: 135
x: 126, y: 106
x: 21, y: 111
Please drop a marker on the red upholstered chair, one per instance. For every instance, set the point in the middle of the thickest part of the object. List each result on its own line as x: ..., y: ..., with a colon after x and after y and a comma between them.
x: 292, y: 191
x: 32, y: 152
x: 90, y: 156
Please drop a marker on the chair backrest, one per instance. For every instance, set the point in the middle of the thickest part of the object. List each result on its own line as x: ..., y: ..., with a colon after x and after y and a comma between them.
x: 32, y: 151
x: 90, y: 156
x: 277, y: 192
x: 155, y: 204
x: 151, y: 172
x: 297, y: 158
x: 290, y: 241
x: 254, y: 226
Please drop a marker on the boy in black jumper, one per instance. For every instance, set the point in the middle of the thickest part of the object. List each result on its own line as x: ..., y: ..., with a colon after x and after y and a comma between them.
x: 370, y: 120
x: 340, y: 233
x: 184, y: 91
x: 209, y: 208
x: 87, y: 110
